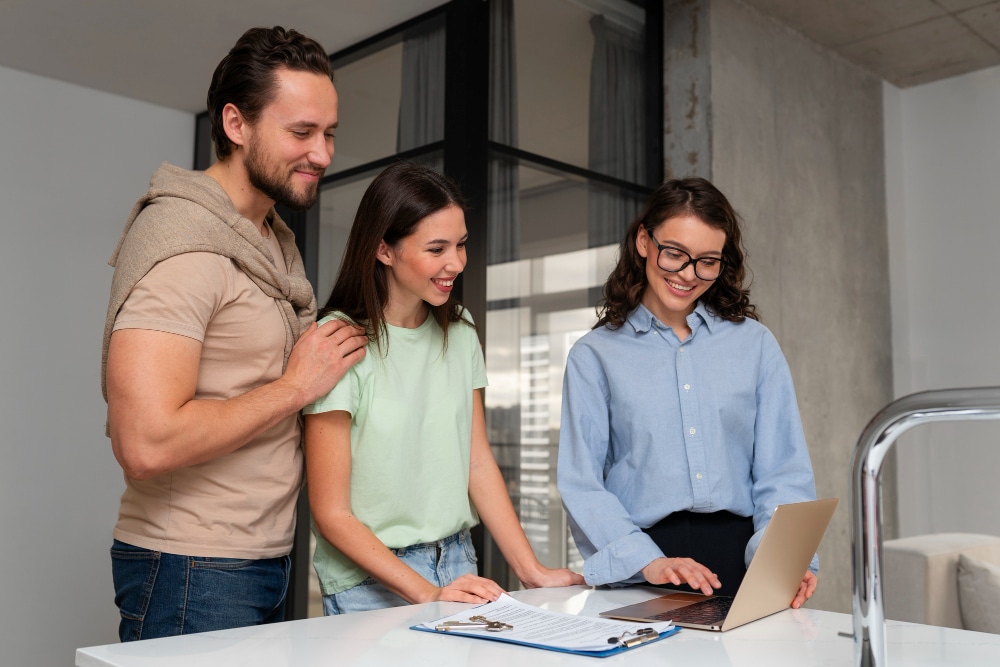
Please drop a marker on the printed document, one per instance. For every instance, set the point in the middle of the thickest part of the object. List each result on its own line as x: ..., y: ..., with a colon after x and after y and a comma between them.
x: 548, y: 629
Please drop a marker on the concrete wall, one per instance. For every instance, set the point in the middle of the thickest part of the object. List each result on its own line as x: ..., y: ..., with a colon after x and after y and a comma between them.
x: 796, y: 143
x: 943, y: 168
x: 72, y: 163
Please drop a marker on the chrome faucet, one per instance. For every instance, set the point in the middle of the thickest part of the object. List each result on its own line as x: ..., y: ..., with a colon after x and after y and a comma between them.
x: 865, y: 506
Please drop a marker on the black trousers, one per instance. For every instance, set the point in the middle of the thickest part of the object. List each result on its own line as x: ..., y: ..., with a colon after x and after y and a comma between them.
x: 717, y: 540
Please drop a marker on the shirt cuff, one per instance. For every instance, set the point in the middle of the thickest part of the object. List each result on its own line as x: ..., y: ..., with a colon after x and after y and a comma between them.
x: 621, y: 561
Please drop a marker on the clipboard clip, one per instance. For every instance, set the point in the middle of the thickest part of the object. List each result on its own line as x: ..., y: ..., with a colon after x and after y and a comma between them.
x: 639, y: 636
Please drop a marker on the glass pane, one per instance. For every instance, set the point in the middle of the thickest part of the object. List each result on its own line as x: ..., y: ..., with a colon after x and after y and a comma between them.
x: 576, y: 74
x: 368, y: 92
x: 337, y: 206
x: 391, y: 100
x: 540, y: 300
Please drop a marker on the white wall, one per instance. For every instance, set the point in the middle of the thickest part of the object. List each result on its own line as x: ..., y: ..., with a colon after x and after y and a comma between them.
x: 943, y: 194
x: 72, y: 163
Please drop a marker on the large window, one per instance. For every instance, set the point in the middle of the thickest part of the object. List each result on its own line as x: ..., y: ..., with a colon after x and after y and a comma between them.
x: 574, y: 98
x: 552, y: 127
x: 539, y: 302
x: 548, y: 113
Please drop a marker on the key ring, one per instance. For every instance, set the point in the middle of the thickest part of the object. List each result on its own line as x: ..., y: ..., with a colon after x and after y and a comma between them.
x: 492, y: 626
x: 474, y: 623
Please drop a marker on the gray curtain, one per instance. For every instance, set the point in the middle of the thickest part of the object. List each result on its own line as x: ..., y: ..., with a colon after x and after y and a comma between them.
x: 421, y: 105
x: 503, y: 221
x: 617, y: 125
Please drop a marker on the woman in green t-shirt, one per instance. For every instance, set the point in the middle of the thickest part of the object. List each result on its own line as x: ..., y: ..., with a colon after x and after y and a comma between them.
x: 398, y: 463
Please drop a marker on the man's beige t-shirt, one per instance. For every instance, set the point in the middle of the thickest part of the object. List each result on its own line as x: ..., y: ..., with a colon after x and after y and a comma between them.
x: 241, y: 505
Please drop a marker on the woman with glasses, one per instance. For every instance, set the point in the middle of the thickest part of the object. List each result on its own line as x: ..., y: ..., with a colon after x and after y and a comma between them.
x: 680, y: 430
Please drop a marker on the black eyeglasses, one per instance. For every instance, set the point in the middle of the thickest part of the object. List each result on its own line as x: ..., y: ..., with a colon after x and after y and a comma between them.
x: 675, y: 260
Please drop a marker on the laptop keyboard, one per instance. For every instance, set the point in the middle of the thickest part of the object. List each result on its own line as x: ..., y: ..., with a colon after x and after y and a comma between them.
x: 711, y: 611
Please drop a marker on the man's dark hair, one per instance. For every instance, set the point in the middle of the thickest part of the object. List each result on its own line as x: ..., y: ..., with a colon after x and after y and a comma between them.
x: 246, y: 78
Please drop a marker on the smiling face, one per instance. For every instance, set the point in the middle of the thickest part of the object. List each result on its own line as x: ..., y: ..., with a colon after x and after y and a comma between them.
x: 290, y: 145
x: 422, y: 267
x: 671, y: 297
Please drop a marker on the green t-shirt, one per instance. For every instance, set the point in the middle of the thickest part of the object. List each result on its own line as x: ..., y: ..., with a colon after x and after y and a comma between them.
x: 411, y: 430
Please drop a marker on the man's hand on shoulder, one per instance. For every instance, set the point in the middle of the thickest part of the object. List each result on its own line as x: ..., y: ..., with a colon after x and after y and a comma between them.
x: 321, y: 357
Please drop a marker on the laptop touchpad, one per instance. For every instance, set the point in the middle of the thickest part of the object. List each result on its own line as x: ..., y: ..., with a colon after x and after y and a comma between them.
x: 676, y: 601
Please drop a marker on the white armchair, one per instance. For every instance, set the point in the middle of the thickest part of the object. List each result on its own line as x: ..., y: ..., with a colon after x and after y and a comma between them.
x: 921, y: 582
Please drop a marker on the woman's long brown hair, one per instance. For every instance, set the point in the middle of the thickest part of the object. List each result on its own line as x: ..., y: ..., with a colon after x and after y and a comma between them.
x: 391, y: 208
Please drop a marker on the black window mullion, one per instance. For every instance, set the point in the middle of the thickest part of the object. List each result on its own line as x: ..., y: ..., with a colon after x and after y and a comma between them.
x: 654, y: 94
x: 466, y: 122
x: 466, y: 161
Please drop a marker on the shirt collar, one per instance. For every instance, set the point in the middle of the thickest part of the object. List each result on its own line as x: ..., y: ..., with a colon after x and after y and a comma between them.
x: 702, y: 313
x: 641, y: 320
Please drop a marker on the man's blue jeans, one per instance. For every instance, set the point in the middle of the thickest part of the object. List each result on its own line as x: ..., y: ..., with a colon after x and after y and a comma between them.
x: 440, y: 563
x: 161, y: 594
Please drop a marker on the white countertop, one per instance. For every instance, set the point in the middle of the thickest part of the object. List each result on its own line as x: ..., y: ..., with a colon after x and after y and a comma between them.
x: 794, y: 637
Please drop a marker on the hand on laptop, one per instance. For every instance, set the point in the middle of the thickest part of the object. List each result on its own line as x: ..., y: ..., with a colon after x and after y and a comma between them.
x: 679, y: 571
x: 806, y: 589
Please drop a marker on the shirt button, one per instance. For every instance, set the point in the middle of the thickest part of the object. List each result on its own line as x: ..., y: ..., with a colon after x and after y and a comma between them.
x: 691, y: 431
x: 698, y: 475
x: 687, y: 387
x: 680, y: 349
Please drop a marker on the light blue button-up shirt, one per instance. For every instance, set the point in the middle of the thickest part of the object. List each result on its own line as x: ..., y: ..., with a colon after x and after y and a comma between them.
x: 652, y: 425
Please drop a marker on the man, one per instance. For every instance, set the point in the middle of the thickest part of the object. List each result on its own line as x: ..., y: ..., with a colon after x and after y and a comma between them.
x: 210, y: 351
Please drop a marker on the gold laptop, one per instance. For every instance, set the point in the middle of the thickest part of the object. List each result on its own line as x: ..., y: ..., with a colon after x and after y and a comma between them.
x: 773, y: 578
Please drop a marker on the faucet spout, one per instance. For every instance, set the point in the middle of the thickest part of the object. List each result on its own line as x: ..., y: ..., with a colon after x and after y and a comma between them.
x: 866, y: 509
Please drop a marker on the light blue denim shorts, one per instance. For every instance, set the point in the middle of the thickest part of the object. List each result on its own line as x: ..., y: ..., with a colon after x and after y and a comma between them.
x: 440, y: 563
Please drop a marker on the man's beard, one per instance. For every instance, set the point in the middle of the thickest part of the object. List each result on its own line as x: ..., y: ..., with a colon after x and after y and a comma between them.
x: 273, y: 185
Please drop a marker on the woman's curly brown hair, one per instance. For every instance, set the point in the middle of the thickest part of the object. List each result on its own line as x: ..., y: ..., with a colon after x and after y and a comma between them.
x: 727, y: 297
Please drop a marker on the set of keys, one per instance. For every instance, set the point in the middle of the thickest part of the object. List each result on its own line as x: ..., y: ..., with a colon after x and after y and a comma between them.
x: 474, y: 623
